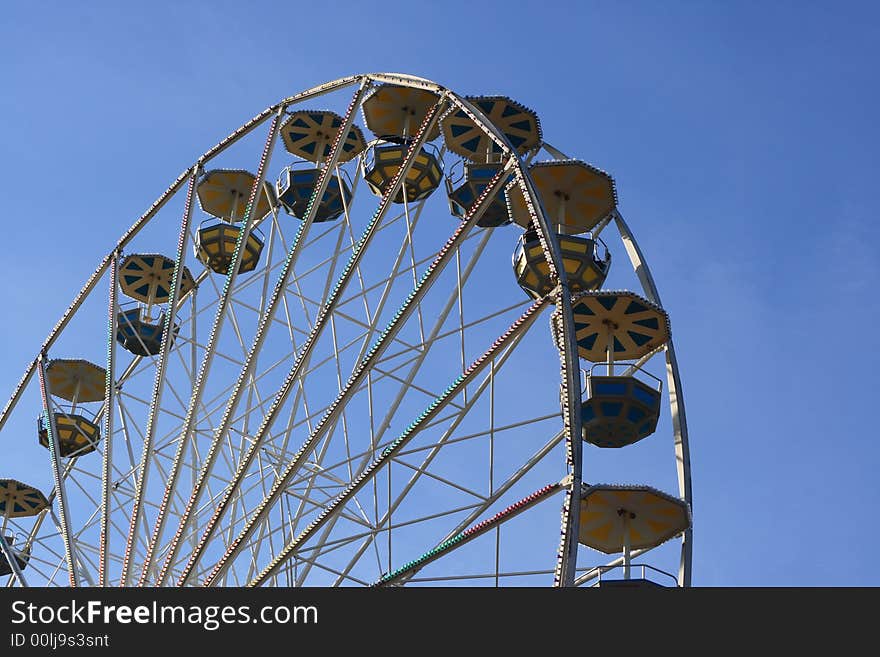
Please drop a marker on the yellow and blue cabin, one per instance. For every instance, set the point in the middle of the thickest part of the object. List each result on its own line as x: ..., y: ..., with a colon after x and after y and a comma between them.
x: 77, y: 435
x: 215, y: 247
x: 384, y: 161
x: 294, y: 190
x: 586, y: 261
x: 620, y: 410
x: 139, y: 334
x: 476, y: 178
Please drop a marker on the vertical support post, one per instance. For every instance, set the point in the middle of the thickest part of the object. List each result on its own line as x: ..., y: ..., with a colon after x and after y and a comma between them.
x: 610, y: 352
x: 570, y: 394
x: 194, y: 363
x: 159, y: 381
x: 321, y: 320
x: 189, y: 423
x: 109, y: 409
x: 265, y: 321
x: 682, y: 458
x: 55, y: 459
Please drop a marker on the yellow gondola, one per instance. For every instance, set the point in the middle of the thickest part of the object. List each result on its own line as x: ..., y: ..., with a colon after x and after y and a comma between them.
x: 17, y: 500
x: 310, y: 135
x: 615, y: 519
x: 384, y: 161
x: 586, y: 266
x: 215, y: 247
x: 148, y: 277
x: 393, y: 111
x: 224, y: 193
x: 614, y: 325
x: 20, y: 500
x: 76, y: 380
x: 517, y: 122
x: 576, y: 196
x: 77, y: 435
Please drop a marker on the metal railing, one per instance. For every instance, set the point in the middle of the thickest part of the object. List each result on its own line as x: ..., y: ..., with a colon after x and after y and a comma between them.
x: 631, y: 370
x: 530, y: 237
x: 637, y: 571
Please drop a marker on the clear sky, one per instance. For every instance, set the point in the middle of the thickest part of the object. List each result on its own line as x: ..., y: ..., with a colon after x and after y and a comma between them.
x: 743, y: 138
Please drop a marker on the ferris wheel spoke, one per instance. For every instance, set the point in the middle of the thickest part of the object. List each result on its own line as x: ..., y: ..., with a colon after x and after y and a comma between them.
x: 218, y: 402
x: 262, y: 539
x: 327, y: 307
x: 477, y: 366
x: 396, y: 271
x: 126, y: 420
x: 434, y: 449
x: 54, y: 459
x: 471, y: 533
x: 370, y: 329
x: 477, y: 434
x: 519, y: 305
x: 333, y: 571
x: 397, y: 525
x: 496, y: 495
x: 225, y: 421
x: 109, y: 397
x: 417, y: 295
x: 441, y: 579
x: 357, y: 377
x: 165, y: 344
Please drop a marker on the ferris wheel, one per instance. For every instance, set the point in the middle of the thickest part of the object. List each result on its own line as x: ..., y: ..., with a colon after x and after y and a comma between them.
x: 373, y: 337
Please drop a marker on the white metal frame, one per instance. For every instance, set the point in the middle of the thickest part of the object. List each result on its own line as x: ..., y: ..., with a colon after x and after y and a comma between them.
x: 217, y: 511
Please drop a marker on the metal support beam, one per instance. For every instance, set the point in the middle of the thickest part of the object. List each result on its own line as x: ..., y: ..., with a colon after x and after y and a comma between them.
x: 321, y: 320
x: 157, y: 205
x: 159, y: 380
x: 55, y: 460
x: 468, y: 535
x: 109, y: 400
x: 250, y: 361
x: 496, y: 495
x: 521, y: 324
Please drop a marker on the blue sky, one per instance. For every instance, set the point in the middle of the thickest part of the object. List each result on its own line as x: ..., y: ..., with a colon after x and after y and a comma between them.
x: 742, y: 137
